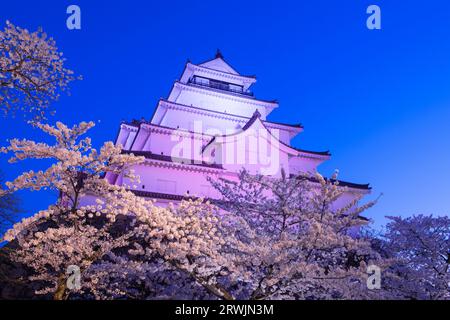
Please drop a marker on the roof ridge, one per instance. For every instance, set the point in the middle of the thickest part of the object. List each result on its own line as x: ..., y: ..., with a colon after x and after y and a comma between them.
x: 297, y: 125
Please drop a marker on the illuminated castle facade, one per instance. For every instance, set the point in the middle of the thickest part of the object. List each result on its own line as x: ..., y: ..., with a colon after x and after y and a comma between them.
x: 211, y: 125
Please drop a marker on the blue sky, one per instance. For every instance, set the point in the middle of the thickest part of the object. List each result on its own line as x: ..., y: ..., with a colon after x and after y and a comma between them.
x: 379, y: 100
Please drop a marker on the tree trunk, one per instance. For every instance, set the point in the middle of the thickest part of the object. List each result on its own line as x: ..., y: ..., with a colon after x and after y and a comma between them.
x: 60, y: 293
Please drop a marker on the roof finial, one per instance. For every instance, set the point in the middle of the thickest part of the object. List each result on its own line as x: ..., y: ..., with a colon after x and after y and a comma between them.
x: 257, y: 114
x: 219, y: 54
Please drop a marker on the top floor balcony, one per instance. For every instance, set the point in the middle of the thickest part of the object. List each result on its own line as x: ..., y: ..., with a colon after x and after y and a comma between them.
x: 219, y: 85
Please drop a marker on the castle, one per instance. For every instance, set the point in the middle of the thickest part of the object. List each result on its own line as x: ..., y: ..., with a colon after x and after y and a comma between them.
x: 211, y: 125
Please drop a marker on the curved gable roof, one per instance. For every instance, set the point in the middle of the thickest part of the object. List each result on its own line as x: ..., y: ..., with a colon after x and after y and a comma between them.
x: 254, y: 121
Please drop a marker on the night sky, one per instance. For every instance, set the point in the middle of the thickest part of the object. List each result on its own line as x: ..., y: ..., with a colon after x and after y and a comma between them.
x: 379, y: 100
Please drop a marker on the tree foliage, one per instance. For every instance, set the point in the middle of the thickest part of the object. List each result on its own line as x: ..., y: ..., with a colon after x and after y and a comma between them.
x: 267, y: 238
x: 421, y: 247
x: 118, y: 226
x: 32, y: 72
x: 298, y: 246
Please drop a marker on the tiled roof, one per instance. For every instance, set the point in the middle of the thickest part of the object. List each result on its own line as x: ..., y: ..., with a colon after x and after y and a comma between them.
x: 161, y: 157
x: 340, y: 183
x: 158, y: 195
x: 296, y: 125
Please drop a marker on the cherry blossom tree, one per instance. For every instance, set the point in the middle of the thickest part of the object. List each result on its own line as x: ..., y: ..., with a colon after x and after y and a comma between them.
x: 421, y: 246
x: 64, y: 234
x: 292, y: 242
x: 175, y: 254
x: 32, y: 71
x: 267, y: 238
x: 99, y: 227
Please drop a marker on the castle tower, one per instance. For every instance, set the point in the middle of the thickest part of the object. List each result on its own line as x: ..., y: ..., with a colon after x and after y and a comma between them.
x: 212, y: 125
